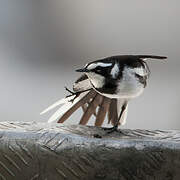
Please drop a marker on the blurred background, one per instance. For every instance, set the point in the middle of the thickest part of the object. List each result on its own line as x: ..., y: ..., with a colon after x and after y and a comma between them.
x: 42, y: 42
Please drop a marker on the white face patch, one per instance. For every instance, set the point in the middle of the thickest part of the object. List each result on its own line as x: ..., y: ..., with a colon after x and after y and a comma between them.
x: 115, y: 70
x: 94, y: 65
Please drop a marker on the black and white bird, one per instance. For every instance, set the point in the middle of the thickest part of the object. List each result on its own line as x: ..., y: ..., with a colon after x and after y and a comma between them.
x: 106, y: 87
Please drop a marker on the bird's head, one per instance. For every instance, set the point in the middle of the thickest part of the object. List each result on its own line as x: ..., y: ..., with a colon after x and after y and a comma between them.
x: 97, y: 72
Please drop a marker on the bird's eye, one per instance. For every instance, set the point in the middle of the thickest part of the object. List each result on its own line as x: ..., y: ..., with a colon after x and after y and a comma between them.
x: 98, y: 69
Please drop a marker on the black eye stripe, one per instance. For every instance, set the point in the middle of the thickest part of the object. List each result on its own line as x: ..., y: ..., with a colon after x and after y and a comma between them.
x: 98, y: 68
x: 101, y: 68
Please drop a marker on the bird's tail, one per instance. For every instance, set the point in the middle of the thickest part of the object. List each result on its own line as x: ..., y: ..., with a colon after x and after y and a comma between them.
x: 92, y: 103
x: 151, y: 57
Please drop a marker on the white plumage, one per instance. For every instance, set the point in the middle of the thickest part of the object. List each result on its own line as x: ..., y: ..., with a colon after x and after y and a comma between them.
x: 94, y: 65
x: 59, y: 102
x: 115, y: 70
x: 66, y: 103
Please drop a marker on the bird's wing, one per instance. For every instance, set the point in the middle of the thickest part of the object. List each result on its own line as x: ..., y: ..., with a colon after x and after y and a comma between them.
x: 72, y: 103
x: 115, y: 109
x: 79, y: 102
x: 120, y: 103
x: 91, y: 102
x: 82, y: 84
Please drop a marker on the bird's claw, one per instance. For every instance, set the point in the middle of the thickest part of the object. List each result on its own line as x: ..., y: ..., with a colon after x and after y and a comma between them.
x: 71, y: 92
x: 76, y: 94
x: 97, y: 136
x: 113, y: 129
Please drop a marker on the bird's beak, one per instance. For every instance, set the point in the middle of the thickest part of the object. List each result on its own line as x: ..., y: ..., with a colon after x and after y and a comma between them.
x: 82, y: 70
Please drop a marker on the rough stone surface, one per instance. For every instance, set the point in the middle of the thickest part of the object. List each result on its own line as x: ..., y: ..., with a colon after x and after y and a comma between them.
x: 38, y: 151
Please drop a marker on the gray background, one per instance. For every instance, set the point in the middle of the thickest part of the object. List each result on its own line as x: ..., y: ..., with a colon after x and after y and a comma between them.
x: 42, y: 42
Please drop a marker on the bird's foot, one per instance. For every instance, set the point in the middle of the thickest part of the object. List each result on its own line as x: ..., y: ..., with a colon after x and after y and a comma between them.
x: 75, y: 94
x: 71, y: 92
x: 109, y: 131
x: 97, y: 136
x: 113, y: 129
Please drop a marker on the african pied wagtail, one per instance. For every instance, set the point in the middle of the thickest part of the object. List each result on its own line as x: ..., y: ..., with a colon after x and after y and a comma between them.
x: 107, y: 85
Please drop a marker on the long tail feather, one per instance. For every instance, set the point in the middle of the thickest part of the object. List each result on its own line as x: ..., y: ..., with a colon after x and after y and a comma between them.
x: 151, y: 57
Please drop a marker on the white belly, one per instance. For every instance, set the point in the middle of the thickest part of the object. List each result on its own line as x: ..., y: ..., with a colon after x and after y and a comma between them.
x: 130, y: 89
x: 129, y: 86
x: 127, y: 94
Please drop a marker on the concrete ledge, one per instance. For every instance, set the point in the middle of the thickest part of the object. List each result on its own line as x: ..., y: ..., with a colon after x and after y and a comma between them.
x: 41, y: 151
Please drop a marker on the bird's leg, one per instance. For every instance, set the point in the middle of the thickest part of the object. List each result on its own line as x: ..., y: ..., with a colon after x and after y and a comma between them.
x: 71, y: 92
x: 112, y: 129
x: 76, y: 94
x: 115, y: 127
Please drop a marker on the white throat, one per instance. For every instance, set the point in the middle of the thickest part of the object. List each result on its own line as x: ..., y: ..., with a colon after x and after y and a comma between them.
x: 96, y: 79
